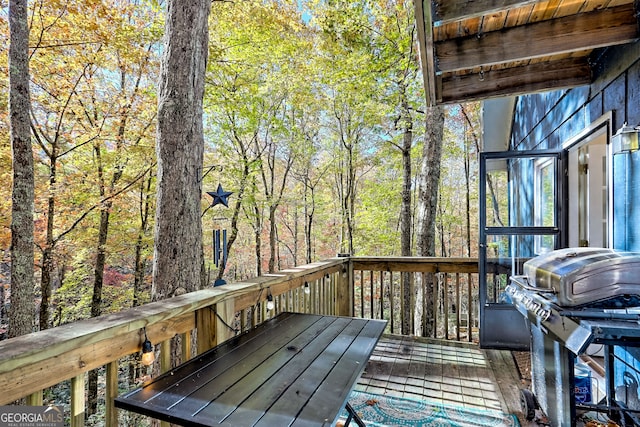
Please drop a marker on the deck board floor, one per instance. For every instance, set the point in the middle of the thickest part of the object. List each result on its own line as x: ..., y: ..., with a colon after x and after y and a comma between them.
x: 451, y: 372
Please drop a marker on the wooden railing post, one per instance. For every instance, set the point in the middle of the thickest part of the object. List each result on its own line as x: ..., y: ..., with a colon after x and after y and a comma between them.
x: 225, y: 314
x: 111, y: 416
x: 77, y: 400
x: 406, y: 297
x: 35, y: 399
x: 205, y: 326
x: 165, y: 365
x: 186, y: 346
x: 345, y: 290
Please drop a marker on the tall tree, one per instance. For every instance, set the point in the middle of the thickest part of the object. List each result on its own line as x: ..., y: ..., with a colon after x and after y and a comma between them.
x: 145, y: 206
x: 351, y: 96
x: 395, y: 34
x: 309, y: 176
x: 22, y: 259
x: 86, y: 123
x: 274, y: 192
x: 256, y: 83
x: 428, y: 182
x: 178, y: 257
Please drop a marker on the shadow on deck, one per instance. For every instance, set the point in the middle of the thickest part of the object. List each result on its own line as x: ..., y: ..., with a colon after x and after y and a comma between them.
x: 454, y: 373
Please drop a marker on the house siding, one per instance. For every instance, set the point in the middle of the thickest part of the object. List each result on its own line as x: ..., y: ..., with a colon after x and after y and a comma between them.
x: 547, y: 120
x: 543, y: 121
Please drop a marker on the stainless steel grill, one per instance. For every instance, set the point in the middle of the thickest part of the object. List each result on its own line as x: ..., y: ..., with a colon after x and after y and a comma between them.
x: 592, y: 277
x: 573, y: 298
x: 580, y: 294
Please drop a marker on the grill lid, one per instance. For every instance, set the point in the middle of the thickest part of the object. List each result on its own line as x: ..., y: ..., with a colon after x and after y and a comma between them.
x: 594, y: 277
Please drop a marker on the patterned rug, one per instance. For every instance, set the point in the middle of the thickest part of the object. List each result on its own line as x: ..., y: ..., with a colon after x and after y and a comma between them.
x: 377, y: 411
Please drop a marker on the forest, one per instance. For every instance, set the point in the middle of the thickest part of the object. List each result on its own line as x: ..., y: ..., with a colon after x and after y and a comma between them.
x: 314, y: 126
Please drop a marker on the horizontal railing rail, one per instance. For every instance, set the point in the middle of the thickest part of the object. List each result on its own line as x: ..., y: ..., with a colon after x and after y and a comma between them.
x: 374, y: 287
x: 424, y: 296
x: 434, y: 297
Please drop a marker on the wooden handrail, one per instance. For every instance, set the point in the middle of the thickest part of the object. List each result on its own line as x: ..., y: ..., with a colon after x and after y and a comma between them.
x: 417, y: 264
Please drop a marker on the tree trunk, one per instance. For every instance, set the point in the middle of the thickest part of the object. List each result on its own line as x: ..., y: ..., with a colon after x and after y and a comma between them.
x: 351, y: 204
x: 405, y: 209
x: 428, y: 182
x: 3, y: 313
x: 22, y: 259
x: 178, y: 263
x: 140, y: 260
x: 257, y: 232
x: 347, y: 190
x: 98, y: 272
x: 96, y: 302
x: 50, y: 243
x: 405, y: 216
x: 139, y: 273
x: 309, y: 209
x: 296, y: 231
x: 274, y: 196
x: 179, y: 148
x: 467, y: 182
x: 272, y: 238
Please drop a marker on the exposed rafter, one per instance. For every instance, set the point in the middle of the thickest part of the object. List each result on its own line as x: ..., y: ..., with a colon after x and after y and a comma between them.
x: 479, y: 49
x: 425, y: 41
x: 537, y: 77
x: 446, y: 11
x: 574, y: 33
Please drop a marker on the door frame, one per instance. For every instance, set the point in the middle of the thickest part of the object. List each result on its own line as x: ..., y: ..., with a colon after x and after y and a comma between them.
x: 495, y: 314
x: 603, y: 125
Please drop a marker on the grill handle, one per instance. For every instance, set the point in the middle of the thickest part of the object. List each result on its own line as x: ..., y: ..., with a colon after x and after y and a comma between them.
x: 597, y: 314
x: 523, y: 282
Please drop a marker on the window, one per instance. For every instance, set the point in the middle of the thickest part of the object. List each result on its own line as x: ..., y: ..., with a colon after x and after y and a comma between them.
x: 544, y: 208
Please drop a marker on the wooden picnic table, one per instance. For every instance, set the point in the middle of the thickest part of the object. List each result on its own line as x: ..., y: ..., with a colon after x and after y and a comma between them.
x: 292, y: 370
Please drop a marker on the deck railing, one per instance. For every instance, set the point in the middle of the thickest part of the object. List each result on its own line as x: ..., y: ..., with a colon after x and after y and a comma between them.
x: 390, y: 288
x: 434, y: 297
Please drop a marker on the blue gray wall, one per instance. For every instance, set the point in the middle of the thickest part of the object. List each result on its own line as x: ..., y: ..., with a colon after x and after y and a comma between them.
x: 546, y: 120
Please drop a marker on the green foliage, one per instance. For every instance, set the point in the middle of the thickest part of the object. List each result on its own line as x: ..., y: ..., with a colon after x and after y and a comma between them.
x: 73, y: 299
x: 325, y: 97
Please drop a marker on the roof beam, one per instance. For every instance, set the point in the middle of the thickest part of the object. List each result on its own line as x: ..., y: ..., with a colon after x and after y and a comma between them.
x: 446, y: 11
x: 537, y: 77
x: 425, y: 47
x: 575, y: 33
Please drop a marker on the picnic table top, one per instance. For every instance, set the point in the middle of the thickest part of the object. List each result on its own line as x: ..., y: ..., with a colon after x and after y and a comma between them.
x: 294, y: 369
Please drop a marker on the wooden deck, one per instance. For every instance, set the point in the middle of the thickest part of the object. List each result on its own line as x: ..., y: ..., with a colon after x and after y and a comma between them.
x: 450, y: 372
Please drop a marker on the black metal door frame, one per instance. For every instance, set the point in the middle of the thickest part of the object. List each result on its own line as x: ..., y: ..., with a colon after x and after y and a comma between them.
x: 494, y: 315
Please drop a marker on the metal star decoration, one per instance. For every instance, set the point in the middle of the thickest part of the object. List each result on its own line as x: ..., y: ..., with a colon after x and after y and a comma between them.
x: 220, y: 196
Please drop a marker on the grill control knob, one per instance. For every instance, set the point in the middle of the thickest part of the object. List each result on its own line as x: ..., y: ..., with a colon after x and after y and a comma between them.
x: 543, y: 314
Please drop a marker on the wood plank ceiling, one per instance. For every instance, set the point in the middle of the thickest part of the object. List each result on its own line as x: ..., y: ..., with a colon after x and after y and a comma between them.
x: 478, y: 49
